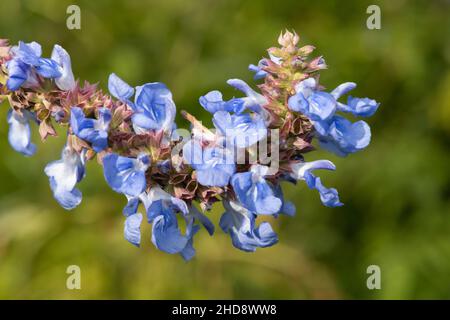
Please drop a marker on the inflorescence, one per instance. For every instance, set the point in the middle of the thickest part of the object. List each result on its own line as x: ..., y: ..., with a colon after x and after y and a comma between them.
x: 167, y: 170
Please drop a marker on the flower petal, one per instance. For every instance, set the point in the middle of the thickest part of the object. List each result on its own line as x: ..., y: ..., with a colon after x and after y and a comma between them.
x: 17, y: 74
x: 48, y: 68
x: 132, y: 229
x: 19, y: 134
x: 254, y: 101
x: 66, y: 81
x: 119, y: 88
x: 343, y: 89
x: 362, y: 107
x: 299, y: 169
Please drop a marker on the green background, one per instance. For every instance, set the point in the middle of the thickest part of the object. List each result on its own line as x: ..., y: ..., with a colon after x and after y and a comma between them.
x: 396, y: 192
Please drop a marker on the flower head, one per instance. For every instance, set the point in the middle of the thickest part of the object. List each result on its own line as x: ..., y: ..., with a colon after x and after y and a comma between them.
x: 153, y: 165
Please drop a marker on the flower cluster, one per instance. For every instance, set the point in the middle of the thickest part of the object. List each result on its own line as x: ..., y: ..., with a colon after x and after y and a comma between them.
x: 166, y: 171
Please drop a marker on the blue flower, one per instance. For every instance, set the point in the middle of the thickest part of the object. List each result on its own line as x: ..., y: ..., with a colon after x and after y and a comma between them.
x: 240, y: 224
x: 161, y: 212
x: 26, y: 58
x: 94, y: 131
x: 335, y: 133
x: 316, y: 105
x: 361, y: 107
x: 153, y: 106
x: 166, y: 235
x: 213, y: 102
x: 66, y: 81
x: 64, y: 174
x: 126, y: 175
x: 302, y: 171
x: 213, y: 166
x: 254, y: 192
x: 19, y: 134
x: 241, y: 130
x: 344, y: 137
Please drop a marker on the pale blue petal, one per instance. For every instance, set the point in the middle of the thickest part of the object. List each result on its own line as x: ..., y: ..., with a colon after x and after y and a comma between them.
x: 68, y: 199
x: 132, y: 229
x: 19, y: 134
x: 66, y: 81
x: 254, y: 100
x: 362, y: 107
x: 119, y: 88
x: 343, y: 89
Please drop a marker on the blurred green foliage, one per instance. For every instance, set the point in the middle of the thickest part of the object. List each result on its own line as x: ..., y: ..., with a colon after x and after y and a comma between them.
x: 397, y: 191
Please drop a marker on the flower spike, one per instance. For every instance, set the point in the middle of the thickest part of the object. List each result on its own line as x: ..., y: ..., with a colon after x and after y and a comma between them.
x: 261, y: 140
